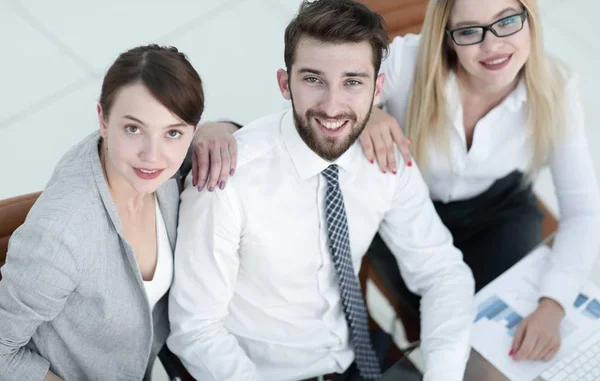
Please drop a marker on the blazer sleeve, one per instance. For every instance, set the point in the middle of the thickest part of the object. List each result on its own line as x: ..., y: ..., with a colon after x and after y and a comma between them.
x: 39, y: 275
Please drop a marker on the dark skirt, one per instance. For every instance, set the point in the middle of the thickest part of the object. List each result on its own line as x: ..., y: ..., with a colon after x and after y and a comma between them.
x: 494, y: 230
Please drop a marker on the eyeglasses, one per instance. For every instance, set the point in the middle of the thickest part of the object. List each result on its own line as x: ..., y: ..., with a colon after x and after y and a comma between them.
x: 475, y: 34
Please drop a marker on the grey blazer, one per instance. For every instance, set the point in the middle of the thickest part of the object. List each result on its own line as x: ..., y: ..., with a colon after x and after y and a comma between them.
x: 72, y: 299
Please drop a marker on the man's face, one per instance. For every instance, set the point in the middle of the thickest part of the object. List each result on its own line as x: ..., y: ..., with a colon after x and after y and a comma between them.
x: 332, y: 87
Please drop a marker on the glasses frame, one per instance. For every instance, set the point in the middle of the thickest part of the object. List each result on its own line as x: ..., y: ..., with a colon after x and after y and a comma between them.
x: 486, y: 28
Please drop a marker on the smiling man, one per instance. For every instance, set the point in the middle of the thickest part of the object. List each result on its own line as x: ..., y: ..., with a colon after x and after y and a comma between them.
x: 266, y: 270
x: 329, y: 126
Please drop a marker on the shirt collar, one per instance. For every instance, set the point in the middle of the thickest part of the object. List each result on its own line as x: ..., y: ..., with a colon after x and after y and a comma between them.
x: 306, y: 162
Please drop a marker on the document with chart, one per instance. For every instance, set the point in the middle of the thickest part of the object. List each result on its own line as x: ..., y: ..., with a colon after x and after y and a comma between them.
x: 503, y: 304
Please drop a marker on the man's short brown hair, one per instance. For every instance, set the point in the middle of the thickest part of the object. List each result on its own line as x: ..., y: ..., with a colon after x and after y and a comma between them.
x: 336, y: 21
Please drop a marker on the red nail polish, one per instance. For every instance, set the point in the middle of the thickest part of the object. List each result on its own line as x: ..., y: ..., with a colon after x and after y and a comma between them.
x: 394, y: 172
x: 512, y: 352
x: 371, y: 161
x: 409, y: 163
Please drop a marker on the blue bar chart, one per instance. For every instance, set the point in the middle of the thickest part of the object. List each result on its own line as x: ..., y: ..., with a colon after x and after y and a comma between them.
x: 592, y: 310
x: 581, y: 299
x: 495, y: 309
x: 589, y: 308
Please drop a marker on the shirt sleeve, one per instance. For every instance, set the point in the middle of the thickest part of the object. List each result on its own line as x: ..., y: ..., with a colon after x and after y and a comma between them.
x: 577, y: 242
x: 433, y: 268
x: 206, y: 268
x: 398, y: 66
x: 39, y: 275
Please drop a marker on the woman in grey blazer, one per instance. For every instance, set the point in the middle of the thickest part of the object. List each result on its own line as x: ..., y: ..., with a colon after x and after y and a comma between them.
x: 83, y: 290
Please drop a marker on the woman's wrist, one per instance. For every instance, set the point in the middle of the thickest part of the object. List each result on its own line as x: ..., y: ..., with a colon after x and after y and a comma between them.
x: 552, y: 305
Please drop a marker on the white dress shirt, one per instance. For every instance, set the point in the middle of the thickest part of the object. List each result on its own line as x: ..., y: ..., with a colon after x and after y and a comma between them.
x: 502, y: 144
x: 163, y: 272
x: 256, y: 296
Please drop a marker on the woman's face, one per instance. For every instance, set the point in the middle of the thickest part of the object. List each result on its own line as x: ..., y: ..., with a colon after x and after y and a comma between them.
x: 144, y: 143
x: 496, y: 61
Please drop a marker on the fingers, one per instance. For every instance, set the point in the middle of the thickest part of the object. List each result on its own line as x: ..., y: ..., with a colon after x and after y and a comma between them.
x: 225, y: 167
x: 527, y: 346
x: 518, y: 338
x: 405, y: 151
x: 367, y: 145
x: 403, y: 144
x: 234, y: 156
x: 378, y: 139
x: 380, y: 149
x: 215, y: 167
x: 391, y: 153
x: 542, y: 347
x: 216, y: 160
x: 547, y: 352
x: 552, y: 351
x: 202, y: 155
x: 194, y: 168
x: 215, y: 154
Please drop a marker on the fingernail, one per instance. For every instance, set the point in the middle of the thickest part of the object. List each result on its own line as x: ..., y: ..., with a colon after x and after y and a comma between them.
x: 409, y: 164
x: 211, y: 188
x: 384, y: 171
x: 200, y: 188
x: 394, y: 172
x: 512, y: 352
x: 222, y: 185
x: 232, y: 172
x: 371, y: 161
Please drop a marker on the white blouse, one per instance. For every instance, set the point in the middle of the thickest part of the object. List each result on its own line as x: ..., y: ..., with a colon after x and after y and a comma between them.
x: 163, y: 273
x: 502, y: 144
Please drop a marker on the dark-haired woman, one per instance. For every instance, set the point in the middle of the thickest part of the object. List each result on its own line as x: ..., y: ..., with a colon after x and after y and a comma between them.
x: 83, y: 290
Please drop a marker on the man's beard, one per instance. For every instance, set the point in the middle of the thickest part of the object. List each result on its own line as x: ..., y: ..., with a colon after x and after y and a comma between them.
x: 328, y: 147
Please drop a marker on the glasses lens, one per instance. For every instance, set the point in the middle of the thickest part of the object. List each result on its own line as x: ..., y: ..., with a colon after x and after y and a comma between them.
x: 468, y: 36
x: 508, y: 25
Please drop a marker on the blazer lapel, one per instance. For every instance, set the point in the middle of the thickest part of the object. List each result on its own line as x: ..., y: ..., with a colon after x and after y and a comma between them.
x: 168, y: 201
x: 109, y: 205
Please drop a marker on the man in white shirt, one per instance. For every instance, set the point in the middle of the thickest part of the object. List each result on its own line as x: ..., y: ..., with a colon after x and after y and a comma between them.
x: 266, y: 269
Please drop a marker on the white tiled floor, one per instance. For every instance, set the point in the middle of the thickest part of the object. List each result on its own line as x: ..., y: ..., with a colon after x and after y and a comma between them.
x: 54, y: 55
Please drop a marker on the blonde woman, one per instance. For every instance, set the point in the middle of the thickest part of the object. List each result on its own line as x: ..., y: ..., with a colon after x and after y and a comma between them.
x: 485, y: 108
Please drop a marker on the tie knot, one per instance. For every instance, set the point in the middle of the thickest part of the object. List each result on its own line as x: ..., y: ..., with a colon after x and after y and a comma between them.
x: 331, y: 174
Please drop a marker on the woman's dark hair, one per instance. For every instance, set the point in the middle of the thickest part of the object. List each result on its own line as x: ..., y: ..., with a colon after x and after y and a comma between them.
x: 165, y: 72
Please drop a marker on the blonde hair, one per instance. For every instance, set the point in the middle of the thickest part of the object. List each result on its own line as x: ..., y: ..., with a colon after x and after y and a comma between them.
x: 427, y: 115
